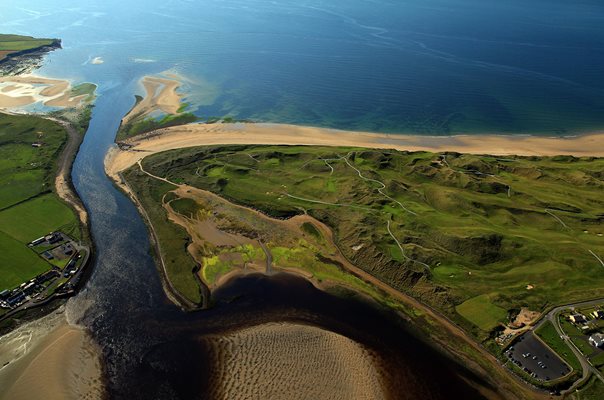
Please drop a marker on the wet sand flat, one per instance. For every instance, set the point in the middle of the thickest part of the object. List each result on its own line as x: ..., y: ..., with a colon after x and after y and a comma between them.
x: 291, y: 361
x: 23, y: 90
x: 49, y: 359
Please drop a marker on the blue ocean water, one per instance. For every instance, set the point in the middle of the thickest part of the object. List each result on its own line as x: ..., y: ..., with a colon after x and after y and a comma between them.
x: 406, y: 66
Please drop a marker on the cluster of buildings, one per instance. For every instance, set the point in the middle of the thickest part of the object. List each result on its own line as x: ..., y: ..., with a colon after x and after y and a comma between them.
x: 63, y: 249
x: 581, y: 320
x: 27, y: 290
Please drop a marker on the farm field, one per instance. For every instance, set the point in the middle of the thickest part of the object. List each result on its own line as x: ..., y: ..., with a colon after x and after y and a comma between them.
x: 28, y: 206
x: 449, y: 229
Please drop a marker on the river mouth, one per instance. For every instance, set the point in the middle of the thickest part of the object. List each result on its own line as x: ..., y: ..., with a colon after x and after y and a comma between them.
x: 152, y: 349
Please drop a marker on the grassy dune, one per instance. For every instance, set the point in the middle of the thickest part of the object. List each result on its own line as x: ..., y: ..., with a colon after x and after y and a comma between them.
x: 445, y: 228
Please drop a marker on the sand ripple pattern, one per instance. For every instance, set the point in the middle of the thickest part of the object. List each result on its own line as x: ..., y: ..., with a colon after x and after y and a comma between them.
x: 289, y: 361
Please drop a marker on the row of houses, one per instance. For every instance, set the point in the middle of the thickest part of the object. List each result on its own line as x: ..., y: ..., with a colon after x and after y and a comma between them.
x: 579, y: 318
x: 16, y: 297
x: 597, y: 339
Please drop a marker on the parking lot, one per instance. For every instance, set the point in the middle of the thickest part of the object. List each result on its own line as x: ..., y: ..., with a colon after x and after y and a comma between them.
x: 535, y: 358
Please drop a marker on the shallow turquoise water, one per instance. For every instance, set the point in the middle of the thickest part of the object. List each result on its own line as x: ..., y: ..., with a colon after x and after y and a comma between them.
x: 421, y: 66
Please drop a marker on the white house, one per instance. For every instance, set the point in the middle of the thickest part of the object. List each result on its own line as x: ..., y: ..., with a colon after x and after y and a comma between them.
x: 597, y: 339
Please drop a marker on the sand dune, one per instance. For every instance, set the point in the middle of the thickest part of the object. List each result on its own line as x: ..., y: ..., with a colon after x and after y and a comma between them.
x: 289, y: 361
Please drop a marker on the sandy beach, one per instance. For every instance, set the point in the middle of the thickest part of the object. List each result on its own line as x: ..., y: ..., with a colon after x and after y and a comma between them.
x: 49, y: 359
x: 117, y: 160
x: 23, y: 90
x: 278, y: 361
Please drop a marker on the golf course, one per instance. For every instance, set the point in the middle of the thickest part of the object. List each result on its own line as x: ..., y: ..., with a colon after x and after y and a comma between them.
x: 474, y: 237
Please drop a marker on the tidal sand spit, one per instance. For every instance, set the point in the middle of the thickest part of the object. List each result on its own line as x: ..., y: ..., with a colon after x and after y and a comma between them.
x: 278, y: 361
x: 160, y: 95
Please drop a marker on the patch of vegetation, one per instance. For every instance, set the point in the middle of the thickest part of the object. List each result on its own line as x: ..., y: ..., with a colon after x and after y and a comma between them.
x: 213, y: 267
x: 592, y: 390
x: 36, y: 217
x: 312, y: 230
x: 550, y: 336
x: 28, y: 207
x: 138, y: 126
x: 186, y: 207
x: 82, y: 89
x: 598, y: 361
x: 79, y: 117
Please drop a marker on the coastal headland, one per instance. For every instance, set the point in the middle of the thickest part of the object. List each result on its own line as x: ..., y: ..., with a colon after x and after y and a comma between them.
x: 21, y: 54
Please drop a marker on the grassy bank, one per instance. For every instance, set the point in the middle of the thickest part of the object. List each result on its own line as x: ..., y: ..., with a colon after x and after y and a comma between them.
x: 173, y: 240
x: 29, y: 208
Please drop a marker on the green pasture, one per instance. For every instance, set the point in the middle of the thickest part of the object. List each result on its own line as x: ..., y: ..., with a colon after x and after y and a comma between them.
x: 18, y: 263
x: 28, y: 207
x: 20, y: 43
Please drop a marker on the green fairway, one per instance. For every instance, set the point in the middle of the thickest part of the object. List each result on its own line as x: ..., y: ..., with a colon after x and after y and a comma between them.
x: 17, y: 262
x: 481, y: 312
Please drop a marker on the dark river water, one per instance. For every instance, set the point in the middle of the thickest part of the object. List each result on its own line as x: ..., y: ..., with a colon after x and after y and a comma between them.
x: 150, y: 347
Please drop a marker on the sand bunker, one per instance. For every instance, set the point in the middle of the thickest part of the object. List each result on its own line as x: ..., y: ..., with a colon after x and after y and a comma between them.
x: 160, y: 96
x: 49, y: 359
x: 288, y: 361
x: 23, y: 90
